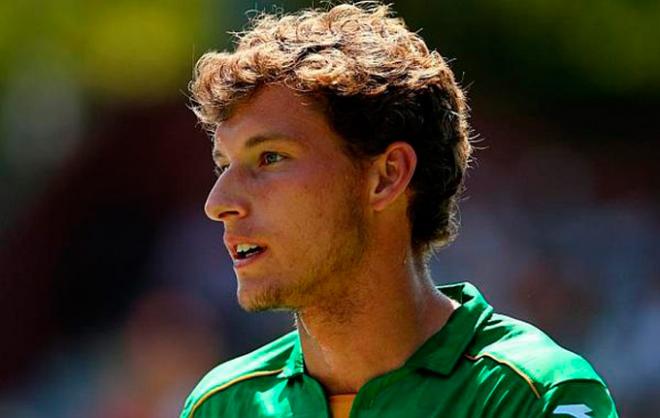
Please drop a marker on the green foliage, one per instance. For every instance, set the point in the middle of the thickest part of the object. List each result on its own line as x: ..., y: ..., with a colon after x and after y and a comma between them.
x: 590, y: 48
x: 124, y: 50
x: 144, y: 50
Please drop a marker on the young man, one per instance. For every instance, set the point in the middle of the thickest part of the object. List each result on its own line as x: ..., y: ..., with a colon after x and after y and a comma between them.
x: 341, y: 143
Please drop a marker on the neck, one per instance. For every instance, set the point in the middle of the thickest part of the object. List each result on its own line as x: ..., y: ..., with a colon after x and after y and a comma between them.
x: 374, y: 328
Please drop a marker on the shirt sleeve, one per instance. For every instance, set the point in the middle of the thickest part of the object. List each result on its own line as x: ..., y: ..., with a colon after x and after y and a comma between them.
x: 579, y: 399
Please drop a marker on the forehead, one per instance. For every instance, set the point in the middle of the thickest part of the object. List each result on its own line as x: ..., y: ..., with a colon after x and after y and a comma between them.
x: 276, y: 111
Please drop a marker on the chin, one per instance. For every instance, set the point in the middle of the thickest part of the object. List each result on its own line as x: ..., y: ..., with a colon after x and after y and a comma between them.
x: 261, y: 298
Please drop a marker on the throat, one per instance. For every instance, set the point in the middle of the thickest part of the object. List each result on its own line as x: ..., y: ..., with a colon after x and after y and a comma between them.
x: 343, y: 357
x: 342, y: 360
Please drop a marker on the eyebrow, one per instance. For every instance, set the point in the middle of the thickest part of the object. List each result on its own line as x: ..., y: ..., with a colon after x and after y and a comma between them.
x: 253, y: 141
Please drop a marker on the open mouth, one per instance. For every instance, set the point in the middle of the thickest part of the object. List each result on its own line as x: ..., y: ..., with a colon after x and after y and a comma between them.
x: 245, y: 251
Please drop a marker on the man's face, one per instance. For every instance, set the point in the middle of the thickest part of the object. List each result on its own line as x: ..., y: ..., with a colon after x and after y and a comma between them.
x: 291, y: 201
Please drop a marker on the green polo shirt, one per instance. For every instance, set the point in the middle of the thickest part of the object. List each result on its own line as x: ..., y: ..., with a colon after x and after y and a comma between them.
x: 480, y: 364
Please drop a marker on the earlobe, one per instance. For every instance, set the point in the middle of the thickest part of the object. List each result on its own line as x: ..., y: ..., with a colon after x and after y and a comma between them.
x: 391, y: 173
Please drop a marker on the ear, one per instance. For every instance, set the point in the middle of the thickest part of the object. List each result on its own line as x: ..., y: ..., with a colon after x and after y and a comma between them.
x: 390, y: 174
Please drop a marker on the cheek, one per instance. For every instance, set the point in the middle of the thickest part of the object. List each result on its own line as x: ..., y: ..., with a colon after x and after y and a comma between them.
x: 306, y: 190
x: 304, y: 207
x: 326, y: 196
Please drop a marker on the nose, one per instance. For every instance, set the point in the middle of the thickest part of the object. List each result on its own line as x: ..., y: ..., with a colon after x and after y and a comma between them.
x: 223, y: 203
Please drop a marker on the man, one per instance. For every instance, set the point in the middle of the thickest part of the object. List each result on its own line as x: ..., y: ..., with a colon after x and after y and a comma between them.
x: 341, y: 144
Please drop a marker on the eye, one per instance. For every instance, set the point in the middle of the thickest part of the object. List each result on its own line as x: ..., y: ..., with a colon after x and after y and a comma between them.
x: 268, y: 158
x: 219, y: 169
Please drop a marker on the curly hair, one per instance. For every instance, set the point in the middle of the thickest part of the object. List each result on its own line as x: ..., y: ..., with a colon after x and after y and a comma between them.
x: 376, y: 81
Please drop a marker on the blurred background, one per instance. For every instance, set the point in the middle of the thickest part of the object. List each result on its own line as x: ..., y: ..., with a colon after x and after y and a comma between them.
x: 115, y: 292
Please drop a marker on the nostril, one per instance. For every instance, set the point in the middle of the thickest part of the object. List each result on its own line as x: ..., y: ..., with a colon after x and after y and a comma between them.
x: 223, y: 215
x: 221, y: 206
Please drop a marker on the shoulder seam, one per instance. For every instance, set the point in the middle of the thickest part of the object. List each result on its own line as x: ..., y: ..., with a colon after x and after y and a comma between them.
x: 519, y: 372
x: 580, y: 380
x: 231, y: 383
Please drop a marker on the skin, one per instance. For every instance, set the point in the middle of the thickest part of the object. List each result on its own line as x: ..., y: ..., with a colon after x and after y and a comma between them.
x: 337, y: 238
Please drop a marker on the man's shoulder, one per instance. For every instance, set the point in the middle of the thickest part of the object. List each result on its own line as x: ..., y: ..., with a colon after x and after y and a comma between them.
x: 268, y: 360
x: 515, y: 347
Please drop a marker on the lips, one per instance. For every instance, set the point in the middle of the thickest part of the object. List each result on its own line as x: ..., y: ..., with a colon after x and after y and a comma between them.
x: 250, y: 259
x: 244, y: 250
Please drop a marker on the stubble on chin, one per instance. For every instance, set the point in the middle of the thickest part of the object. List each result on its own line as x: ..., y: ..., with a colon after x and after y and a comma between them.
x: 292, y: 295
x: 268, y: 298
x: 324, y: 283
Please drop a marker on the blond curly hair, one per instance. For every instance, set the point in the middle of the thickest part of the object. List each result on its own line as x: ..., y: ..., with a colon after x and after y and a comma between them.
x: 376, y: 81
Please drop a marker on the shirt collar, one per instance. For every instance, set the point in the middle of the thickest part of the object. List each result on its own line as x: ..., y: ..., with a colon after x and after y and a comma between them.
x: 295, y: 364
x: 440, y: 352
